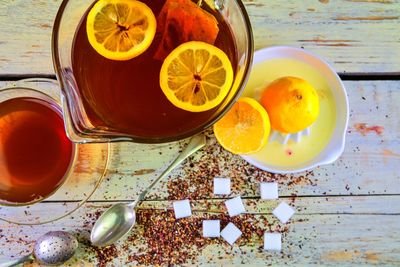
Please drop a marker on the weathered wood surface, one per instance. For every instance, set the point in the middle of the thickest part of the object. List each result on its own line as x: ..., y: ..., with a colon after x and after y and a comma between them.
x: 349, y: 230
x: 354, y: 35
x: 347, y: 212
x: 369, y: 164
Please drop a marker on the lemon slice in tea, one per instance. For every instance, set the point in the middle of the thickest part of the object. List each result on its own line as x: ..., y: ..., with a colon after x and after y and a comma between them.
x: 120, y: 29
x: 196, y: 76
x: 245, y: 128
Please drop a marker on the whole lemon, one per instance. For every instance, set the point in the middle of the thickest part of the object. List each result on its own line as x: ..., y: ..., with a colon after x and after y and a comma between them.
x: 292, y: 104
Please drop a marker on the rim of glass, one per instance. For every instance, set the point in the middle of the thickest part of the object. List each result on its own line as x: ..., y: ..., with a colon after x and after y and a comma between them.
x: 74, y: 157
x: 110, y: 137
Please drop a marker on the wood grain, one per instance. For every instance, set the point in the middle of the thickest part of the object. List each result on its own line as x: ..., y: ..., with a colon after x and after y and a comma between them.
x: 324, y: 231
x: 347, y: 212
x: 369, y: 164
x: 355, y: 36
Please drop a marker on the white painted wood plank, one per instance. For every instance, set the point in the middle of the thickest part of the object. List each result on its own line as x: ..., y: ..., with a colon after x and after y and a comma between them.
x: 369, y: 165
x: 351, y: 205
x: 322, y: 232
x: 354, y: 35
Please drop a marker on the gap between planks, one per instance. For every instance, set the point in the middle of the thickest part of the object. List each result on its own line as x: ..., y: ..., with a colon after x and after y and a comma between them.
x: 345, y: 76
x: 388, y: 205
x: 221, y: 198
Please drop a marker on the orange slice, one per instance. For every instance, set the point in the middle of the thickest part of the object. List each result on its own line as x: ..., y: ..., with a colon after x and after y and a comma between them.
x: 245, y: 128
x: 196, y: 76
x: 120, y: 29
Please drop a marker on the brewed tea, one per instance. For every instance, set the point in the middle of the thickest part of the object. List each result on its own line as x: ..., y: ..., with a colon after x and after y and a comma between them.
x: 35, y: 153
x: 125, y: 96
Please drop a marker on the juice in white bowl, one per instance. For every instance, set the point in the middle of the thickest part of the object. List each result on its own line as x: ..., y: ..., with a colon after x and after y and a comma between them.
x: 294, y: 154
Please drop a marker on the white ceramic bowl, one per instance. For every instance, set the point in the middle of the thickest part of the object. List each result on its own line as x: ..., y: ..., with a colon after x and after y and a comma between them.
x: 335, y: 146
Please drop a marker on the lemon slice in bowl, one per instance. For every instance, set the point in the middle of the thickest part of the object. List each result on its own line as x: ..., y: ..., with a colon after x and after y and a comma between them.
x: 120, y: 29
x: 196, y: 76
x: 245, y: 128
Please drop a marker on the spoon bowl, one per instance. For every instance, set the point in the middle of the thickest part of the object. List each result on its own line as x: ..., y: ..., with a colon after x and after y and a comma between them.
x: 118, y: 220
x: 114, y: 224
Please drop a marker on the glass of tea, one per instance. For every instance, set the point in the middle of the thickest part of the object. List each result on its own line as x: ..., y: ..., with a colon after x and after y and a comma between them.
x: 107, y: 100
x: 36, y: 156
x: 38, y: 163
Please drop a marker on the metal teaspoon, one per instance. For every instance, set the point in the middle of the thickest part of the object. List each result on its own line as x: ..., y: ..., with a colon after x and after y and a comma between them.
x: 119, y: 219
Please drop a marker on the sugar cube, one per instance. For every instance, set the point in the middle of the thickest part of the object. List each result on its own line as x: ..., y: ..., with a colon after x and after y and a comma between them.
x: 272, y: 241
x: 182, y: 209
x: 283, y: 212
x: 235, y: 206
x: 211, y: 228
x: 231, y: 233
x: 222, y: 186
x: 269, y: 190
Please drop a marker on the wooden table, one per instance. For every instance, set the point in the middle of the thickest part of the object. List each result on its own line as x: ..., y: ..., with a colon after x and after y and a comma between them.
x: 348, y: 212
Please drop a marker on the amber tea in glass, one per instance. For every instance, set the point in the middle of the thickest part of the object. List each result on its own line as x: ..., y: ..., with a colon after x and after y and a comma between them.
x: 35, y: 153
x: 125, y: 96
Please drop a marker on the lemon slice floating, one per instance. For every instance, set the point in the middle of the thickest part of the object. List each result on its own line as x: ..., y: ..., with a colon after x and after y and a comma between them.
x: 120, y: 29
x: 196, y: 76
x: 245, y: 128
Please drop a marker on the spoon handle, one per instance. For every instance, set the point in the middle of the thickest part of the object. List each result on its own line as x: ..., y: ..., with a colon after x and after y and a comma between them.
x: 195, y: 144
x: 15, y: 262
